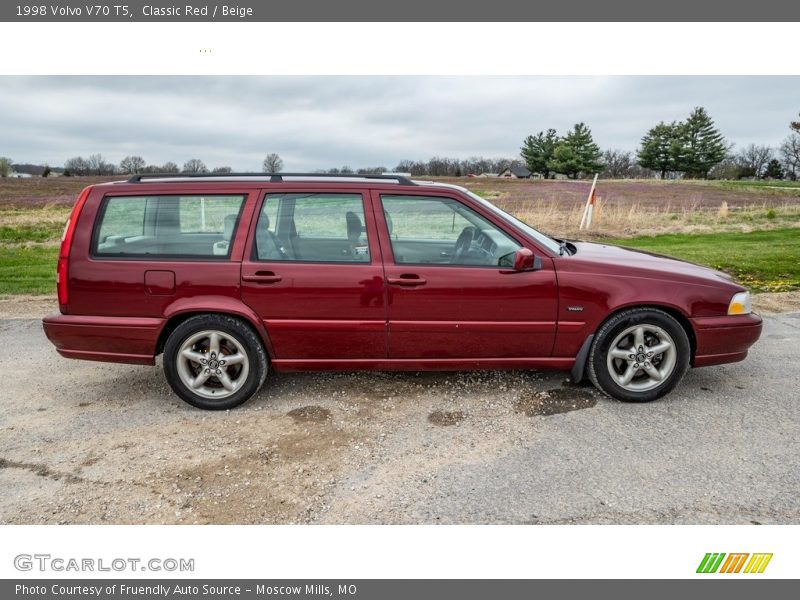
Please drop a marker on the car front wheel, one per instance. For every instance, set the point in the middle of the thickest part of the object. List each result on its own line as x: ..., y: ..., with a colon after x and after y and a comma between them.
x: 215, y: 362
x: 639, y: 355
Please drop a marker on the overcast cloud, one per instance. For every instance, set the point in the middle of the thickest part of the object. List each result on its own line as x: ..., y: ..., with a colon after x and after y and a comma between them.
x: 322, y: 122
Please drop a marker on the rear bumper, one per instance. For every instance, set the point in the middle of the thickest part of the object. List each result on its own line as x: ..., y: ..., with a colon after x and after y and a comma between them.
x: 724, y: 339
x: 109, y: 339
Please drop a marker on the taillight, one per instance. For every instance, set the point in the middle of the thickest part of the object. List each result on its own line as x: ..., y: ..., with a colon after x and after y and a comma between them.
x: 61, y: 280
x: 62, y: 270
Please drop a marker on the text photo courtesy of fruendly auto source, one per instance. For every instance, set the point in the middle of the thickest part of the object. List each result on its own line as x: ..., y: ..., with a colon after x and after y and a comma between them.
x: 400, y: 300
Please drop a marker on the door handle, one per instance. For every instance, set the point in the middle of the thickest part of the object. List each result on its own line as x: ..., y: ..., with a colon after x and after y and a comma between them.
x: 406, y: 280
x: 262, y: 277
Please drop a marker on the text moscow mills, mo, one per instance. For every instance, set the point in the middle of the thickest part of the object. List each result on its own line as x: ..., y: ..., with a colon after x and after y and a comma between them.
x: 184, y: 590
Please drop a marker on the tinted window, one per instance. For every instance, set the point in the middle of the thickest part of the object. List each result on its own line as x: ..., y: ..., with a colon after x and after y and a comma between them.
x: 444, y: 231
x: 167, y: 226
x: 312, y: 228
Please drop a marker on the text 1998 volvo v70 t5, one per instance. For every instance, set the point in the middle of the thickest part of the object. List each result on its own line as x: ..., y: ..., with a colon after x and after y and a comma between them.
x: 231, y: 276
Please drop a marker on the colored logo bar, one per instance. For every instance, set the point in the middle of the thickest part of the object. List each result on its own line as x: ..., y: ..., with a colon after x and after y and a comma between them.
x: 719, y: 562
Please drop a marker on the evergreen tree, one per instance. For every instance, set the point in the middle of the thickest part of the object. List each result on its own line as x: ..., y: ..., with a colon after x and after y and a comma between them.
x: 537, y: 151
x: 576, y: 153
x: 5, y: 166
x: 660, y: 148
x: 701, y: 144
x: 774, y: 170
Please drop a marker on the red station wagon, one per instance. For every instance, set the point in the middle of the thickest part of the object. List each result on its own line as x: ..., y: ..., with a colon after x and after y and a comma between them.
x: 231, y: 275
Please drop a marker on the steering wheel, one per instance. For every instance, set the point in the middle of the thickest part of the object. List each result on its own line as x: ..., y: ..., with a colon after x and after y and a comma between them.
x: 463, y: 244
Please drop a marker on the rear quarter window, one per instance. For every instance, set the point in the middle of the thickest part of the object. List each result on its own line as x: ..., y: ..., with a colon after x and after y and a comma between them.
x: 167, y: 226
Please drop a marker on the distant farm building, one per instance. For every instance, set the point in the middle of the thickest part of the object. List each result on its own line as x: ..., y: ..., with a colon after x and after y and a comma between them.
x: 516, y: 172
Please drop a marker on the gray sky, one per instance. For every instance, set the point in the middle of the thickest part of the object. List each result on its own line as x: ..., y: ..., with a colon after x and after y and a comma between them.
x: 329, y: 121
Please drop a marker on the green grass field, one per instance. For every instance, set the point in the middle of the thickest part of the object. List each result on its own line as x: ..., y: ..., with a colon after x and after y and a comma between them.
x: 764, y: 261
x: 28, y: 269
x: 756, y: 184
x: 30, y: 232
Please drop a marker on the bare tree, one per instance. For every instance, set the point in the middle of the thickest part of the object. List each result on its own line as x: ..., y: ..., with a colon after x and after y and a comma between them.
x: 619, y: 163
x: 5, y: 166
x: 169, y: 167
x: 222, y: 170
x: 99, y: 165
x: 439, y: 166
x: 77, y: 165
x: 272, y: 163
x: 194, y: 165
x: 132, y: 164
x: 755, y: 158
x: 790, y: 152
x: 730, y: 168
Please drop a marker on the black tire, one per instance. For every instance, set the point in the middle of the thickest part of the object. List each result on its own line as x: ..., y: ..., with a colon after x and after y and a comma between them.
x: 236, y: 331
x: 599, y: 369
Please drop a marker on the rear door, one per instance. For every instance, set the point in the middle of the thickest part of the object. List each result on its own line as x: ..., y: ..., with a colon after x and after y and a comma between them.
x: 139, y: 250
x: 451, y: 290
x: 312, y: 271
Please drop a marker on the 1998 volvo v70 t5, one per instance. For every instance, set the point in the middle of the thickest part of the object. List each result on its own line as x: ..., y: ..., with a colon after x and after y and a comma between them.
x: 229, y: 276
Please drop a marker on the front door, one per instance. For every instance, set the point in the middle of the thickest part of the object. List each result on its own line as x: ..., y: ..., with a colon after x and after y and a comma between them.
x: 451, y: 290
x: 314, y: 275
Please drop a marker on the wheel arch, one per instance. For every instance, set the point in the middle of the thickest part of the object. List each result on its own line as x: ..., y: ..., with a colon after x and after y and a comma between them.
x: 673, y: 311
x: 180, y: 312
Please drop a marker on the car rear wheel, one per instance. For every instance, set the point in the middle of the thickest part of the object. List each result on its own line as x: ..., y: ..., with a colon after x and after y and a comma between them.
x: 639, y: 355
x: 215, y: 362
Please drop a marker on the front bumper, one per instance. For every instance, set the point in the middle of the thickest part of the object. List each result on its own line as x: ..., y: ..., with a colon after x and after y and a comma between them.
x: 109, y: 339
x: 724, y: 339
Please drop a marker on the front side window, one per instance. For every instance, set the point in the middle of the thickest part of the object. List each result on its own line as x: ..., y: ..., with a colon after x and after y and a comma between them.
x: 312, y: 228
x: 427, y: 230
x: 167, y: 226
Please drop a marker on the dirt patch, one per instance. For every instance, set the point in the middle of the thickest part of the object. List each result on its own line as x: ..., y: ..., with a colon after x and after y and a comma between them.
x: 39, y: 469
x: 27, y: 306
x: 310, y: 414
x: 553, y: 402
x: 776, y: 303
x: 284, y: 480
x: 445, y: 418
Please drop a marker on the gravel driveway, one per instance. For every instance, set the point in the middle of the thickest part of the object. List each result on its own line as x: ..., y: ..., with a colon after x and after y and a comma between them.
x: 84, y: 442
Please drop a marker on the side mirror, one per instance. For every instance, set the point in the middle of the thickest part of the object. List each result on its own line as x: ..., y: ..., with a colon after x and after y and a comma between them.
x: 525, y: 260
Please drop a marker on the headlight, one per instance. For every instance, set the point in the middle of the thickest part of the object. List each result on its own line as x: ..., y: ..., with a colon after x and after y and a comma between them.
x: 740, y: 304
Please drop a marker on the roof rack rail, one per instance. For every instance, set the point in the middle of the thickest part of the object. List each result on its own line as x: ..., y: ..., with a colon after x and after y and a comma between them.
x: 273, y: 177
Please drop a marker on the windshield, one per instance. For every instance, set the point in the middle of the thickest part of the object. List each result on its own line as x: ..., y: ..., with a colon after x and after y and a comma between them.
x: 543, y: 239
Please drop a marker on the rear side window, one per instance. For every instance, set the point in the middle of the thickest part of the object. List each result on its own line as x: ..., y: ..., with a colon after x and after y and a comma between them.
x: 312, y: 228
x: 167, y: 226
